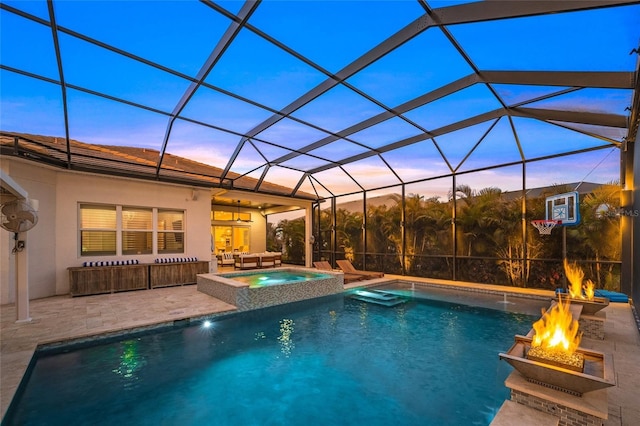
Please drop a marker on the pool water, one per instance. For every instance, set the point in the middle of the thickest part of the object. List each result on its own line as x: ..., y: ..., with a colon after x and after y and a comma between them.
x: 329, y: 361
x: 263, y: 279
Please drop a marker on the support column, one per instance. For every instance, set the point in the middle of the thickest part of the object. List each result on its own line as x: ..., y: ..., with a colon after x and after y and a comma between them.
x: 630, y: 201
x: 634, y: 218
x: 629, y: 221
x: 22, y: 280
x: 523, y: 224
x: 403, y: 230
x: 454, y: 232
x: 308, y: 239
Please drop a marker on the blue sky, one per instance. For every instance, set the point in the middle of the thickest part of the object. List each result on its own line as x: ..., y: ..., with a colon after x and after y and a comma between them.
x: 331, y: 35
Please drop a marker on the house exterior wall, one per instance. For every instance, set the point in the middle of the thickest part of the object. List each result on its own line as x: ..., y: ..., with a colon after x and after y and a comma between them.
x: 40, y: 183
x: 53, y: 243
x: 258, y: 229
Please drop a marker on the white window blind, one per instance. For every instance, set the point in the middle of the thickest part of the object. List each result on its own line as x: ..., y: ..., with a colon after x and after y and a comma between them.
x: 102, y: 226
x: 137, y: 234
x: 170, y: 231
x: 97, y: 230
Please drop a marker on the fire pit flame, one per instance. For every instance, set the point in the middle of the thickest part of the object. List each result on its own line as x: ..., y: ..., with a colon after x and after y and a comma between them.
x: 590, y: 290
x: 575, y: 275
x: 556, y: 338
x: 557, y: 330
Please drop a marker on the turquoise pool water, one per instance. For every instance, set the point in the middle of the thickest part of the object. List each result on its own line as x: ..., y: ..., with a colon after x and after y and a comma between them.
x: 328, y: 361
x: 267, y: 278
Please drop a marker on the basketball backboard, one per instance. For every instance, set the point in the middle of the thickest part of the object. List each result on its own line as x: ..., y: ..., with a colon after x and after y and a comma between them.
x: 564, y: 208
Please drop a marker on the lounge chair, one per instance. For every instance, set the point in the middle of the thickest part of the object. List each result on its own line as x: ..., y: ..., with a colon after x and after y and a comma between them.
x: 323, y: 265
x: 348, y: 268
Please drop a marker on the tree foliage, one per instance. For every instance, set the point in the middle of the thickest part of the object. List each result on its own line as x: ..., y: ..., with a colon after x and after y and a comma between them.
x: 492, y: 245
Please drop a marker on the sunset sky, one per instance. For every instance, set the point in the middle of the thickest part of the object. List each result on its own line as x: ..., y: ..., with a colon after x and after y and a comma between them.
x: 180, y: 35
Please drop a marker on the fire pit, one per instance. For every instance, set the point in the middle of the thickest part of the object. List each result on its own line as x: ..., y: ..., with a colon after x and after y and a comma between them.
x: 552, y: 357
x: 590, y: 307
x: 597, y: 369
x: 554, y: 375
x: 583, y: 294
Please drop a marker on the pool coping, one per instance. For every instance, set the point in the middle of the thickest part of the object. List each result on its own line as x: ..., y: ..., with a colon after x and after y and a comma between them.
x: 185, y: 321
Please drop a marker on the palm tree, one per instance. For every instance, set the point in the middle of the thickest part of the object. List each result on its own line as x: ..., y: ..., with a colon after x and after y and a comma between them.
x: 293, y: 232
x: 349, y: 232
x: 437, y: 233
x: 508, y: 243
x: 383, y: 231
x: 415, y: 227
x: 478, y: 218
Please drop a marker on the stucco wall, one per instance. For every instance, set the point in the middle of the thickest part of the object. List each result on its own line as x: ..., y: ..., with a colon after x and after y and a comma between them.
x: 53, y: 243
x: 40, y: 183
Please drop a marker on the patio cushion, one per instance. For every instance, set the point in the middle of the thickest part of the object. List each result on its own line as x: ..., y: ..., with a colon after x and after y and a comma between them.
x: 613, y: 296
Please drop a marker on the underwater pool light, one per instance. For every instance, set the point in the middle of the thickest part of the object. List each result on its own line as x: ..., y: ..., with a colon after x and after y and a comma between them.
x: 206, y: 324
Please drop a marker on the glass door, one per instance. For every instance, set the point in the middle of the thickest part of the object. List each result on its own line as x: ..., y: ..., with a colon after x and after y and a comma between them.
x: 229, y: 239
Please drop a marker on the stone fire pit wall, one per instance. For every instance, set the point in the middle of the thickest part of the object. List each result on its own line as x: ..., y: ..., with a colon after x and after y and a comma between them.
x: 591, y: 319
x: 567, y: 416
x: 592, y: 326
x: 569, y: 411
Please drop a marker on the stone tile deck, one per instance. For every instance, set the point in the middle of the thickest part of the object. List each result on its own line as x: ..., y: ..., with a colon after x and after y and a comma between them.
x: 62, y: 318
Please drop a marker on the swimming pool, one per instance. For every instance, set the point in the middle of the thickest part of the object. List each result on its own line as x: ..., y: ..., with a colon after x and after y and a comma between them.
x: 262, y: 288
x: 332, y: 360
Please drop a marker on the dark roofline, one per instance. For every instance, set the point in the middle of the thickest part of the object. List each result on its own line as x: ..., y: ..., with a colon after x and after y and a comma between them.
x: 133, y: 162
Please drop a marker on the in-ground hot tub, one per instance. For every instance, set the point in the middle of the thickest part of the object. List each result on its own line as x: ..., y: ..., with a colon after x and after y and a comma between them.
x: 268, y: 287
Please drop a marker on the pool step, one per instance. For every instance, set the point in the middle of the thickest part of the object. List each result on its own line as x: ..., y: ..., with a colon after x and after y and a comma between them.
x: 379, y: 297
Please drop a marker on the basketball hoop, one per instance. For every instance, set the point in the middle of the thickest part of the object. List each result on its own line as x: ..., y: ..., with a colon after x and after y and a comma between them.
x: 545, y: 226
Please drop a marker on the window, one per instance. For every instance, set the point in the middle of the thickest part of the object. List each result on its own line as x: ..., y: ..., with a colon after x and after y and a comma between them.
x: 223, y: 215
x: 170, y: 231
x: 124, y: 230
x: 97, y: 230
x: 137, y: 231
